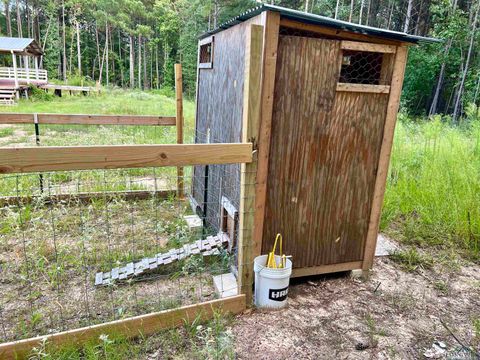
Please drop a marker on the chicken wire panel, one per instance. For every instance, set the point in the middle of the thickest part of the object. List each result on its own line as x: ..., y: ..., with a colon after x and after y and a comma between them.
x: 361, y: 67
x: 56, y: 240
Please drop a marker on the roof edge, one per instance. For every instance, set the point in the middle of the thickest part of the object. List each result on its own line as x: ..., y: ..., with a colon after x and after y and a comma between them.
x: 323, y: 21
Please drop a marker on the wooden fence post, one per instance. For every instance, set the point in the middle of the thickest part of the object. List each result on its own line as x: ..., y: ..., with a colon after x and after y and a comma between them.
x: 250, y: 132
x: 179, y: 123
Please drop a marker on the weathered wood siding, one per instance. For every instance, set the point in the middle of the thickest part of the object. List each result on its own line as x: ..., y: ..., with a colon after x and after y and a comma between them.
x: 324, y: 153
x: 219, y: 112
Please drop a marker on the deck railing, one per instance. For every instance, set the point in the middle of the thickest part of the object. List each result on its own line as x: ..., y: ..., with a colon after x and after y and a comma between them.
x: 24, y: 74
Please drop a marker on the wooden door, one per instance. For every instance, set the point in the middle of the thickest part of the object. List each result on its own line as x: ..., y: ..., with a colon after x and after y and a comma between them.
x: 323, y: 156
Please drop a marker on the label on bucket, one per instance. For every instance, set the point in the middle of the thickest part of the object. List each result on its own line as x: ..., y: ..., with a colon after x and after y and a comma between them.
x: 278, y: 294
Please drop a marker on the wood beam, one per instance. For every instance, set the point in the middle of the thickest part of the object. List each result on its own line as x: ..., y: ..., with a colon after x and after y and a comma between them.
x: 250, y: 133
x: 271, y: 21
x: 132, y: 327
x: 336, y: 33
x: 81, y: 119
x: 368, y: 47
x: 59, y: 158
x: 365, y: 88
x: 326, y: 269
x: 385, y: 152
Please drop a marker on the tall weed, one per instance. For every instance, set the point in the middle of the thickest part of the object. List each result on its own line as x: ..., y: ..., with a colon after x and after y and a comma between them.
x: 433, y: 189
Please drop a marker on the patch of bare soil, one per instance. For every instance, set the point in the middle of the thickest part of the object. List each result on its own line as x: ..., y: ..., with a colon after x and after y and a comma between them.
x: 393, y: 315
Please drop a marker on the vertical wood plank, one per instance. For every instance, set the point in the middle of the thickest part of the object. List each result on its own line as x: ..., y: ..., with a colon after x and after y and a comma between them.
x: 385, y: 152
x: 271, y: 21
x: 179, y: 123
x: 250, y: 131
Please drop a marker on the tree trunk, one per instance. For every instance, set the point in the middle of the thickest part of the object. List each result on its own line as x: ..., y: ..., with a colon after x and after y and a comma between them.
x: 145, y: 78
x: 79, y: 53
x: 70, y: 60
x: 337, y: 8
x: 27, y: 15
x: 132, y: 63
x: 352, y: 3
x: 139, y: 61
x: 362, y: 4
x: 7, y: 17
x: 369, y: 6
x: 215, y: 14
x: 390, y: 15
x: 441, y: 76
x: 467, y: 63
x: 408, y: 16
x: 106, y: 54
x: 19, y: 20
x: 100, y: 76
x: 120, y: 57
x: 157, y: 72
x: 477, y: 88
x: 64, y: 43
x: 307, y: 3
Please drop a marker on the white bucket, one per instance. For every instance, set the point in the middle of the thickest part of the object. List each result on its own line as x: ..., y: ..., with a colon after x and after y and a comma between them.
x: 271, y: 285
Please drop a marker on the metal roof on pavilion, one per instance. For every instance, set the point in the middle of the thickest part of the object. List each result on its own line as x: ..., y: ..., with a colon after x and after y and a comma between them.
x: 20, y: 46
x: 321, y: 20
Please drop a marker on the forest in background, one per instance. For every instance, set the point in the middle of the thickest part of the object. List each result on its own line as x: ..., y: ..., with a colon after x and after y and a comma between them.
x: 134, y: 43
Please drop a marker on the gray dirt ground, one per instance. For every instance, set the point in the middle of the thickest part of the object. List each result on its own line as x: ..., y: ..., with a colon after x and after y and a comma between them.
x: 328, y: 317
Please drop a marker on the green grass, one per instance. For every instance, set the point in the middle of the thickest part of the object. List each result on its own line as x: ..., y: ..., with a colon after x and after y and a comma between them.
x: 433, y: 190
x: 109, y: 102
x: 211, y: 340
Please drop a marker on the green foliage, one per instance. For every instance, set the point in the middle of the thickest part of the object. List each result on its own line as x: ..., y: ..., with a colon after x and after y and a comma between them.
x: 433, y: 188
x: 197, y: 340
x: 37, y: 94
x: 6, y: 131
x: 411, y: 259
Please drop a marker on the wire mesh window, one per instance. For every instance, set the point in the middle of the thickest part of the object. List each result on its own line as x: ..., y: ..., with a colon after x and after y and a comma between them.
x: 361, y: 67
x: 206, y: 54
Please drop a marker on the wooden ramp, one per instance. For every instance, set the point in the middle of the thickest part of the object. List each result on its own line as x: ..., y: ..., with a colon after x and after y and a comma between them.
x: 209, y: 246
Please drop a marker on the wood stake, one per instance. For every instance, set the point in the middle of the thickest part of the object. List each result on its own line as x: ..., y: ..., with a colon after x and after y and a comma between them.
x: 179, y: 123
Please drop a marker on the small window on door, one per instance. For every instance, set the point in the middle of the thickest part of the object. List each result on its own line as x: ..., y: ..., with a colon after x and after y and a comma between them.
x: 361, y: 67
x: 205, y: 56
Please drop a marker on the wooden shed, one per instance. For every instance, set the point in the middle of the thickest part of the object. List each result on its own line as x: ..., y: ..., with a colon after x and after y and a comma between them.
x: 328, y: 98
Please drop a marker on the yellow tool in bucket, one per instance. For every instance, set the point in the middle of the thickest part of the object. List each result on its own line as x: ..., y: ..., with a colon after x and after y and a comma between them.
x: 271, y: 262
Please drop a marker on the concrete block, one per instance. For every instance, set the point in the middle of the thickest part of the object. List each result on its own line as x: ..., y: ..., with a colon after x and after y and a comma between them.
x: 225, y: 285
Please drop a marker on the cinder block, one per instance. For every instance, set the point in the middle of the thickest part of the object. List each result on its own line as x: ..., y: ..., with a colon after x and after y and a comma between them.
x: 194, y: 223
x: 225, y: 285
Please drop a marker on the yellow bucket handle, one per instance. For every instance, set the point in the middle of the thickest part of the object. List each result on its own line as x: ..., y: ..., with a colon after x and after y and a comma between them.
x: 271, y: 262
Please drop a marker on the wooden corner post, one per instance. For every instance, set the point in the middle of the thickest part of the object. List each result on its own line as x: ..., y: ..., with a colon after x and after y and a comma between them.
x: 385, y: 152
x: 250, y: 133
x: 271, y: 21
x: 179, y: 124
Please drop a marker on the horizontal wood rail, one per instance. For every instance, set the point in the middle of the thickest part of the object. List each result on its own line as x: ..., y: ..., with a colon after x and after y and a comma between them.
x: 59, y: 158
x: 86, y: 197
x: 23, y: 74
x: 142, y: 325
x: 80, y: 119
x: 365, y: 88
x: 368, y: 47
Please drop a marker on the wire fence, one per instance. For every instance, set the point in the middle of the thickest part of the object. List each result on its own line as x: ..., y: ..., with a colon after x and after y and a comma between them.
x: 55, y: 244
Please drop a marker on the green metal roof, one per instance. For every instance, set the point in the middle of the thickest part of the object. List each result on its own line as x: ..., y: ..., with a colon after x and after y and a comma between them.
x: 321, y: 20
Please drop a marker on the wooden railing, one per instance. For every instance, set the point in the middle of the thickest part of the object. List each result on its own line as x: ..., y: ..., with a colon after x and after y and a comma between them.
x: 8, y: 73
